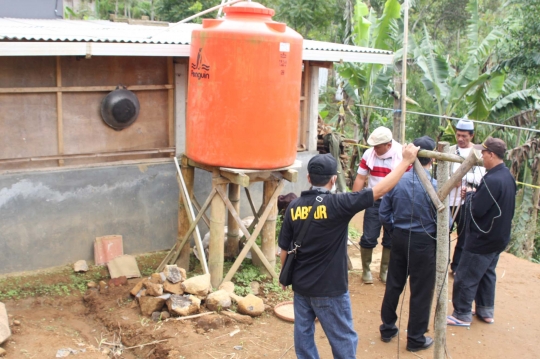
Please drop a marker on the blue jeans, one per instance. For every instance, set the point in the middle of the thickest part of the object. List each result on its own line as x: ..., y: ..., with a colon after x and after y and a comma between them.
x: 335, y: 316
x: 372, y: 228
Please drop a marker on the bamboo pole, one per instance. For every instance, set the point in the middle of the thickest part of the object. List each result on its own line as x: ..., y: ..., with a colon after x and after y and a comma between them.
x: 396, y: 129
x: 457, y: 176
x: 233, y: 234
x: 268, y: 232
x: 217, y: 229
x: 174, y: 252
x: 448, y: 157
x: 443, y: 244
x: 404, y: 71
x: 256, y: 250
x: 183, y: 221
x: 426, y: 183
x: 254, y: 235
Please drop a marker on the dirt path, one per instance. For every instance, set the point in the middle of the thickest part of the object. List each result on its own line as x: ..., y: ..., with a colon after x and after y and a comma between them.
x: 49, y: 324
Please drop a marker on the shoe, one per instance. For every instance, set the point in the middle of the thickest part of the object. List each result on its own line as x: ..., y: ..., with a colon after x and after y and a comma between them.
x: 388, y: 339
x: 454, y: 322
x: 385, y: 260
x: 427, y: 344
x: 366, y: 254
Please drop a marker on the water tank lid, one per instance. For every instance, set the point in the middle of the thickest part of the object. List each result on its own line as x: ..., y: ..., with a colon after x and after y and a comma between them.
x: 249, y: 7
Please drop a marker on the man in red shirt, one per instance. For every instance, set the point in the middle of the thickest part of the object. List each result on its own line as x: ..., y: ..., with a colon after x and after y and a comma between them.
x: 377, y: 163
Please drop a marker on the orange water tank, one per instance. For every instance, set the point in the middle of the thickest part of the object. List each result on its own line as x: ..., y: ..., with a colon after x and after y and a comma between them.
x: 244, y: 90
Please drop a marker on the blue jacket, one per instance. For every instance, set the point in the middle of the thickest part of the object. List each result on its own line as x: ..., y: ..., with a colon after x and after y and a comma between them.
x: 406, y: 199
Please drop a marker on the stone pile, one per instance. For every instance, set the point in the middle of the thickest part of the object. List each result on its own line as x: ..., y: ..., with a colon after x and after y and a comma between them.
x: 171, y: 293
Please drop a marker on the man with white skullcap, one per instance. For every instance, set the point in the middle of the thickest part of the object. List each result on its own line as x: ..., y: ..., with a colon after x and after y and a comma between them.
x: 464, y: 137
x: 377, y: 162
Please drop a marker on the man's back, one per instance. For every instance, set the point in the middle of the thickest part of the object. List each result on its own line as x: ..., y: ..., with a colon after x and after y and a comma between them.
x: 321, y: 266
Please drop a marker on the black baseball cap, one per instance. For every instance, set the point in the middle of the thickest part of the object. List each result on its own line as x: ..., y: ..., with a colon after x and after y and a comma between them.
x: 425, y: 143
x: 495, y: 145
x: 324, y: 165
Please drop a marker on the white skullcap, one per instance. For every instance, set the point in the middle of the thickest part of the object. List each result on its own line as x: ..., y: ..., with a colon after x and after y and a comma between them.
x: 465, y: 125
x: 379, y: 136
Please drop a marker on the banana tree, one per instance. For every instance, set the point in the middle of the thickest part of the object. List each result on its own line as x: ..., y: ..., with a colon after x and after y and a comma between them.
x: 470, y: 88
x: 365, y: 83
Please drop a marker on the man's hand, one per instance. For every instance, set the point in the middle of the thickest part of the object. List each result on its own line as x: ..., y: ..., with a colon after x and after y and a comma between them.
x: 409, y: 153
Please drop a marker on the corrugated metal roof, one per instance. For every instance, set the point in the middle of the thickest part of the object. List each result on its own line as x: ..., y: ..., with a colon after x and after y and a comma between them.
x: 119, y: 32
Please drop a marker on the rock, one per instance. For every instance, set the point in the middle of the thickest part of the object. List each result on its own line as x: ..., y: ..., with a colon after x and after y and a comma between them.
x: 243, y: 319
x: 172, y: 288
x: 156, y: 278
x: 183, y: 304
x: 199, y: 285
x: 80, y: 266
x: 250, y: 305
x: 255, y: 287
x: 173, y: 274
x: 142, y: 293
x: 156, y: 316
x: 138, y: 287
x: 212, y: 321
x: 5, y: 332
x: 153, y: 289
x: 102, y: 286
x: 174, y: 354
x: 268, y: 308
x: 227, y: 286
x: 165, y: 315
x: 2, y: 352
x: 16, y: 323
x: 150, y: 305
x: 183, y: 273
x: 118, y: 282
x: 218, y: 301
x: 92, y: 284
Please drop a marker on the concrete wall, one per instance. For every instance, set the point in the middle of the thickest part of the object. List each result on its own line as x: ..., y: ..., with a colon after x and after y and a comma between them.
x: 51, y: 218
x: 32, y: 9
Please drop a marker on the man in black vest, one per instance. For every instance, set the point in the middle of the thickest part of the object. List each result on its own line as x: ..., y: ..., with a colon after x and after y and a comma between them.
x: 319, y: 280
x: 491, y: 210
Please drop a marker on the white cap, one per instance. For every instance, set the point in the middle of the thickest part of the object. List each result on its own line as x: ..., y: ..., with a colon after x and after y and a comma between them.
x: 465, y: 125
x: 379, y: 136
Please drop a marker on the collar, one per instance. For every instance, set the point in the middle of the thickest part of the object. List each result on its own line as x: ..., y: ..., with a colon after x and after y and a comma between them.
x: 497, y: 168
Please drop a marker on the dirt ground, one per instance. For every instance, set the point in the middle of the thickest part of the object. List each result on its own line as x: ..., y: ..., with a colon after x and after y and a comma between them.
x: 48, y: 324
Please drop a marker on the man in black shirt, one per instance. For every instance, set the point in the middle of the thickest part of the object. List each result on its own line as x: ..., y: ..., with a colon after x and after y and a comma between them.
x: 491, y: 210
x: 320, y: 281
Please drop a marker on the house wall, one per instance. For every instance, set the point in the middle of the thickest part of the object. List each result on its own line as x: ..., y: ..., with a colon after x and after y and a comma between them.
x: 51, y: 218
x: 32, y: 9
x: 50, y: 215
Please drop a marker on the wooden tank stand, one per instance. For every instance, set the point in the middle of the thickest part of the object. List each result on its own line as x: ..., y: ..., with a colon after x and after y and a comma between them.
x: 225, y: 197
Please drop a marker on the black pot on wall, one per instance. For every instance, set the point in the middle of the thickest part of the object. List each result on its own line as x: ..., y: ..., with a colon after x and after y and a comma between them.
x: 120, y: 108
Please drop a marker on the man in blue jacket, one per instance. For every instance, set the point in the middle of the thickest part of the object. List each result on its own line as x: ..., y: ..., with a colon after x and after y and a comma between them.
x: 491, y: 209
x: 408, y: 214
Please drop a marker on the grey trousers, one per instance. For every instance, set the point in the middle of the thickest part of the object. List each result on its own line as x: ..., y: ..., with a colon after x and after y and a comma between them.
x: 475, y: 281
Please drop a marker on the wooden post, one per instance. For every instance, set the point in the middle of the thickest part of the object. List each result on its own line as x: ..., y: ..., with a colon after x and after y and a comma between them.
x: 396, y: 129
x: 268, y: 232
x: 217, y: 233
x: 443, y: 242
x: 426, y: 183
x: 170, y: 101
x: 233, y: 233
x: 404, y: 71
x: 183, y: 222
x: 456, y: 177
x: 59, y: 111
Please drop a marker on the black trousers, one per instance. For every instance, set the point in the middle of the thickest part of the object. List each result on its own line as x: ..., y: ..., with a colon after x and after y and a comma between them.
x: 372, y: 228
x: 475, y: 281
x: 460, y: 224
x: 421, y: 265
